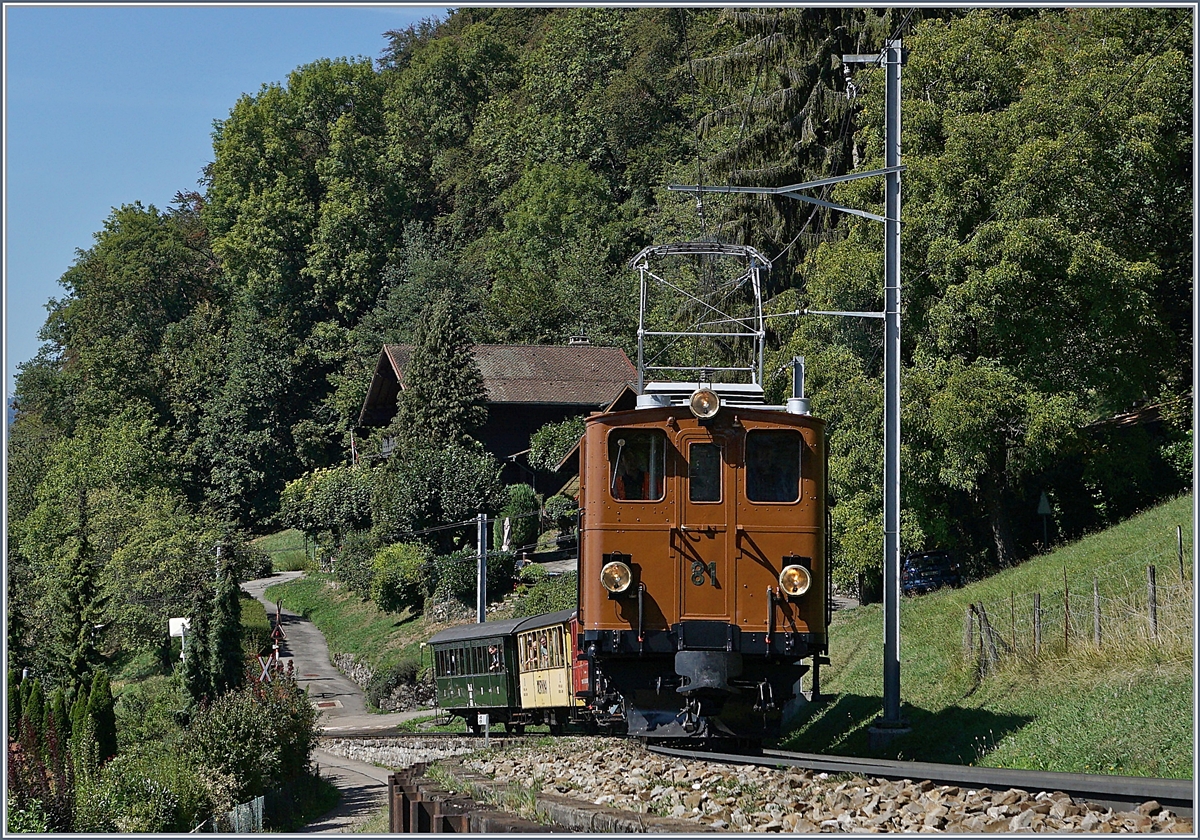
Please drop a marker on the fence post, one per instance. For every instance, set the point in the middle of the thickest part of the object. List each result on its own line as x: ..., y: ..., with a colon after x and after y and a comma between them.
x: 1037, y: 623
x: 1096, y: 610
x: 986, y: 634
x: 1153, y: 593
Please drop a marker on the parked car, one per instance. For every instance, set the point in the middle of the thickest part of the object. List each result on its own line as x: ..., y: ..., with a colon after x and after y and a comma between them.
x: 925, y: 571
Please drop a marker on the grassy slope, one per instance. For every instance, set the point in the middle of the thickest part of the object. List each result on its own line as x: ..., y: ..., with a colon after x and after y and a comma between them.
x: 286, y: 549
x: 1125, y: 708
x: 350, y: 624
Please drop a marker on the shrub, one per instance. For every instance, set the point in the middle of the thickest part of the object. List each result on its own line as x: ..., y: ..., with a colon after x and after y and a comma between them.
x: 549, y: 595
x: 522, y: 513
x: 146, y: 710
x: 101, y: 708
x: 294, y: 725
x: 153, y: 787
x: 403, y: 672
x: 551, y: 443
x: 532, y: 573
x: 235, y: 734
x: 352, y: 562
x: 454, y: 575
x: 398, y: 577
x: 561, y: 510
x: 28, y: 819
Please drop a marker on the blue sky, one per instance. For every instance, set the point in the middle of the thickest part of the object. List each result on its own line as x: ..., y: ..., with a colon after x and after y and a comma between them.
x: 107, y: 105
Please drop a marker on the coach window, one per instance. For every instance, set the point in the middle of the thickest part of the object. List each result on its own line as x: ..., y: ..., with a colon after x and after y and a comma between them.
x: 637, y: 460
x: 772, y: 465
x: 704, y: 472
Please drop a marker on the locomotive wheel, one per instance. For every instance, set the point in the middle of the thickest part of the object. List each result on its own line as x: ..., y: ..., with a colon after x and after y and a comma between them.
x: 514, y: 728
x: 472, y: 727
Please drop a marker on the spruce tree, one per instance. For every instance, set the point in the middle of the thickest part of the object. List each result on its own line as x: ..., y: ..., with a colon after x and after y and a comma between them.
x: 197, y: 673
x: 34, y: 712
x: 79, y: 716
x: 83, y: 604
x: 443, y: 400
x: 58, y: 717
x: 228, y: 666
x: 101, y: 710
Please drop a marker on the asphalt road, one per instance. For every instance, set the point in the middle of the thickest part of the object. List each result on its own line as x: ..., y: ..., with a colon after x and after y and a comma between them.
x: 343, y: 709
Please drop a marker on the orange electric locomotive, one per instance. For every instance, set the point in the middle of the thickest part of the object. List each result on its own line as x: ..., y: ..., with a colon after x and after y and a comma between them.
x: 702, y: 562
x: 703, y: 549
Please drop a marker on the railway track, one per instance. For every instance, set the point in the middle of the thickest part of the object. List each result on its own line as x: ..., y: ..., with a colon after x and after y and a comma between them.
x: 1116, y: 792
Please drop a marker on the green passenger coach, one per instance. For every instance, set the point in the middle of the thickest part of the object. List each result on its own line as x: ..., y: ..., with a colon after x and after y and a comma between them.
x: 477, y: 671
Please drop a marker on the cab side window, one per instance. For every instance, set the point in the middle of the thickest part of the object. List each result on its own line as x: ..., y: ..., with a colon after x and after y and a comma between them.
x: 637, y: 460
x: 773, y: 465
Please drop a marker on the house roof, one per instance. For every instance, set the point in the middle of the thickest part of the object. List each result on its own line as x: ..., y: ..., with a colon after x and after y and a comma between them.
x: 576, y: 374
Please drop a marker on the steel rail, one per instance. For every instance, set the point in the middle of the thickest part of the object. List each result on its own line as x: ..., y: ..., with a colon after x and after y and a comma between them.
x: 1115, y: 792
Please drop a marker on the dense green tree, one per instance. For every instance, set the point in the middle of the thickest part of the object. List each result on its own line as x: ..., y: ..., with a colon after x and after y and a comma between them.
x: 522, y: 512
x: 228, y: 664
x: 197, y: 658
x: 443, y: 399
x: 33, y: 713
x: 1021, y: 189
x: 58, y: 717
x: 433, y: 485
x: 104, y: 718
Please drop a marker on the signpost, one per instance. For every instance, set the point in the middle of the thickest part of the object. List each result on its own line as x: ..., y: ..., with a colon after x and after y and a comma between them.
x: 179, y: 627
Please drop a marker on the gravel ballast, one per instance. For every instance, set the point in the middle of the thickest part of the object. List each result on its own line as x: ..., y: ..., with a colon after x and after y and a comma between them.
x: 620, y: 774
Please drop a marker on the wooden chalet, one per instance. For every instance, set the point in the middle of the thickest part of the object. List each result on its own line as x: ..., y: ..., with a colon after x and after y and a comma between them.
x: 526, y: 387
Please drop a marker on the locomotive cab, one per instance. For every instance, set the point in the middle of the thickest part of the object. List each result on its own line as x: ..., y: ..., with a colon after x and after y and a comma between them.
x: 703, y: 559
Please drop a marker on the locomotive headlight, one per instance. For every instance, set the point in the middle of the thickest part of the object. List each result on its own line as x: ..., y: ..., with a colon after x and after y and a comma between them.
x: 795, y: 580
x: 704, y: 403
x: 616, y: 576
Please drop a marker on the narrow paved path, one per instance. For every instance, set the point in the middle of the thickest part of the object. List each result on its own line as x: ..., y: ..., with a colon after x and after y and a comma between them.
x: 343, y: 709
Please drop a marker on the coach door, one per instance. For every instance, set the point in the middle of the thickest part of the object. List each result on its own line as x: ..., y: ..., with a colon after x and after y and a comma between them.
x: 701, y: 542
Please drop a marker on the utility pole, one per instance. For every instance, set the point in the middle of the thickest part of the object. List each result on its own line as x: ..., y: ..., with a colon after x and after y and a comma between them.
x: 892, y: 59
x: 481, y: 573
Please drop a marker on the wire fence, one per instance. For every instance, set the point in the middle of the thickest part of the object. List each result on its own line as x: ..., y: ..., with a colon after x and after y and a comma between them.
x: 1114, y: 607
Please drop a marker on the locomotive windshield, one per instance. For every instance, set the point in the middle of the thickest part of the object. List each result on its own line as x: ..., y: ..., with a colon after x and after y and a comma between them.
x: 772, y: 465
x: 637, y: 459
x: 704, y: 472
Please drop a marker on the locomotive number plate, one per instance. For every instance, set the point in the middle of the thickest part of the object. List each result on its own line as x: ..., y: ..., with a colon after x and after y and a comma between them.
x: 700, y: 571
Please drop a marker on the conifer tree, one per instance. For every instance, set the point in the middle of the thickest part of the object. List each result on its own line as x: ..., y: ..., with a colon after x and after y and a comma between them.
x: 197, y: 673
x: 83, y: 603
x: 100, y: 709
x: 34, y: 711
x: 443, y: 399
x: 58, y: 717
x: 79, y: 716
x: 228, y: 666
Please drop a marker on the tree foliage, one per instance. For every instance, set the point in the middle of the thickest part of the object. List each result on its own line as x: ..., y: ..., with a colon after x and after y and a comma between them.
x: 487, y: 181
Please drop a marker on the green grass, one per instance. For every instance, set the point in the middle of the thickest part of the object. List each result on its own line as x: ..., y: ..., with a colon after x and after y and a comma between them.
x: 1125, y: 707
x: 256, y: 627
x: 350, y: 624
x: 286, y: 549
x: 377, y: 824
